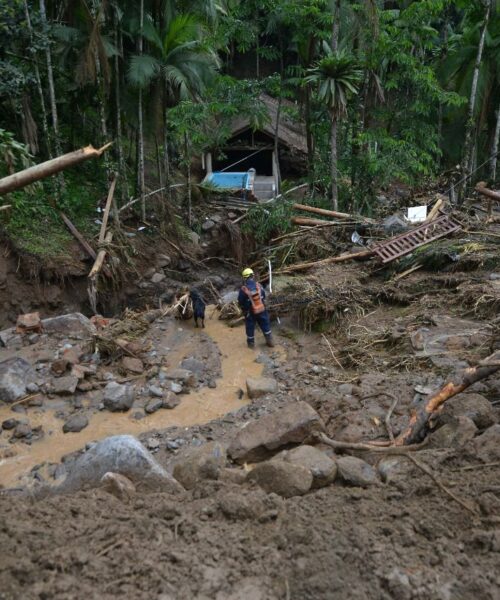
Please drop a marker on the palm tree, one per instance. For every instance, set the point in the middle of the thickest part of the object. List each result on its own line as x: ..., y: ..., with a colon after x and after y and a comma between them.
x: 180, y: 63
x: 337, y: 77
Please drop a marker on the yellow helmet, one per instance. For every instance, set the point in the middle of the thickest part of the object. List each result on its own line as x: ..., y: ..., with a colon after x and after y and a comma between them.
x: 247, y: 273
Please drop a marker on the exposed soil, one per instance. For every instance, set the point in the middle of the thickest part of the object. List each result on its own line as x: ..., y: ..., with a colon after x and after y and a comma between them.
x: 405, y: 539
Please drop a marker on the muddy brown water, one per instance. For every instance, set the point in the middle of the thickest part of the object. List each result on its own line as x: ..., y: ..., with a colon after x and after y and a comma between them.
x: 198, y: 407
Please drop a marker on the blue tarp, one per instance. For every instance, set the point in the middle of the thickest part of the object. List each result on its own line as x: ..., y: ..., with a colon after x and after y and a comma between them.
x: 228, y: 181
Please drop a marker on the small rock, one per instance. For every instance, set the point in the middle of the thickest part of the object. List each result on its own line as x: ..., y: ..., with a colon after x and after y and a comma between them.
x: 487, y: 445
x: 237, y: 476
x: 84, y: 386
x: 75, y: 423
x: 282, y: 478
x: 72, y: 355
x: 158, y: 277
x: 59, y: 367
x: 162, y: 260
x: 170, y: 400
x: 22, y: 430
x: 195, y: 464
x: 156, y: 391
x: 208, y: 225
x: 455, y: 434
x: 193, y: 365
x: 118, y: 397
x: 152, y: 443
x: 323, y: 468
x: 154, y: 405
x: 187, y: 377
x: 474, y: 406
x: 119, y: 486
x: 176, y: 388
x: 9, y: 424
x: 134, y: 365
x: 65, y: 385
x: 260, y: 386
x: 32, y: 388
x: 355, y: 471
x: 194, y: 237
x: 289, y: 425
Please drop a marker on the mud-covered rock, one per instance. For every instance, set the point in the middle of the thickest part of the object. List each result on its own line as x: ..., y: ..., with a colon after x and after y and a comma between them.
x: 357, y: 472
x: 22, y: 430
x: 170, y: 400
x: 73, y: 325
x: 119, y: 486
x: 184, y: 376
x: 322, y: 467
x: 75, y: 423
x: 134, y: 365
x: 289, y: 425
x: 9, y: 424
x: 155, y: 391
x: 195, y: 464
x: 15, y: 374
x: 487, y: 445
x: 118, y: 397
x: 65, y: 385
x: 283, y: 478
x: 260, y: 386
x: 455, y: 434
x: 473, y: 406
x: 121, y: 454
x: 153, y: 405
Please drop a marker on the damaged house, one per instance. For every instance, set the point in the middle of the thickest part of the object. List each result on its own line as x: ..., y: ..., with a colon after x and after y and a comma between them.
x: 249, y: 165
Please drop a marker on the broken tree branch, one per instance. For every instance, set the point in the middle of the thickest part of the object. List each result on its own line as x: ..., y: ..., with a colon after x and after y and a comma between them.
x: 322, y: 211
x: 78, y: 236
x: 434, y: 210
x: 101, y: 256
x: 107, y: 208
x: 48, y: 168
x: 307, y: 221
x: 482, y: 189
x: 417, y: 428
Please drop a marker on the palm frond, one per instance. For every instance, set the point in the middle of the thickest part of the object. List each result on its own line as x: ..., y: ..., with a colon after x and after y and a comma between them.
x: 142, y: 69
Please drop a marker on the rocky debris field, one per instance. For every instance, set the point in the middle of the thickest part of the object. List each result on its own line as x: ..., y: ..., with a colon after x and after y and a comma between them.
x: 254, y: 502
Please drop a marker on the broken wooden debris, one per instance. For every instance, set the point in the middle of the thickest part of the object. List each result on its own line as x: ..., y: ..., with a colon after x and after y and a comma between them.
x: 78, y: 236
x: 326, y: 261
x: 419, y: 421
x: 50, y: 167
x: 405, y: 243
x: 322, y: 211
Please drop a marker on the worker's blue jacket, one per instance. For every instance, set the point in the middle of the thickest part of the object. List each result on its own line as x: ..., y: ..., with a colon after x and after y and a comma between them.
x: 244, y: 300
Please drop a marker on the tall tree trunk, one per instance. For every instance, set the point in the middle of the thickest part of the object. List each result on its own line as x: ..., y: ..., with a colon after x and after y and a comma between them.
x: 336, y: 25
x: 278, y: 116
x: 166, y: 156
x: 140, y: 141
x: 494, y: 149
x: 309, y: 136
x: 470, y: 125
x: 187, y: 152
x: 52, y: 91
x: 45, y: 126
x: 119, y: 142
x: 333, y: 164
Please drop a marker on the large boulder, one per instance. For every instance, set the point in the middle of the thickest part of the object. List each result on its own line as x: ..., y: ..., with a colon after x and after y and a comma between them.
x: 121, y: 454
x: 322, y: 467
x: 260, y: 386
x: 118, y: 397
x: 15, y: 375
x: 474, y: 406
x: 203, y: 462
x: 289, y: 425
x: 73, y: 325
x: 282, y: 478
x: 357, y: 472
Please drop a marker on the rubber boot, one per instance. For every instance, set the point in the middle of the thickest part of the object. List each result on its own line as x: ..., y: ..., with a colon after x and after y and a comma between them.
x: 270, y: 341
x: 251, y: 345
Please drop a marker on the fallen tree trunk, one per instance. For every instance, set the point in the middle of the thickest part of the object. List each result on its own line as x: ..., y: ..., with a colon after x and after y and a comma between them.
x: 322, y: 211
x: 419, y: 421
x: 48, y: 168
x: 325, y: 261
x: 99, y: 261
x: 78, y: 236
x: 482, y: 189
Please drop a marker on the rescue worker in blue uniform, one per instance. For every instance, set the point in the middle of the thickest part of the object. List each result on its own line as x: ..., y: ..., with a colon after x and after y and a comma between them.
x: 251, y: 300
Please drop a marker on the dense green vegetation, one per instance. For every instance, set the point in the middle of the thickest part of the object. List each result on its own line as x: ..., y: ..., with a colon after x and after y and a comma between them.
x: 388, y: 90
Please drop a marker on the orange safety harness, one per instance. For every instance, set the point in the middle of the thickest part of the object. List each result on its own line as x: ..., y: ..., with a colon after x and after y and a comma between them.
x: 255, y: 299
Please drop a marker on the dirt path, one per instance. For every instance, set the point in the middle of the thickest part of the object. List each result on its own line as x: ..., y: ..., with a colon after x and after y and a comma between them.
x: 198, y: 407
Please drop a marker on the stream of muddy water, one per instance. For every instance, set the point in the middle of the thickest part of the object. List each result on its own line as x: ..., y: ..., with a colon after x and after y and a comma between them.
x: 198, y: 407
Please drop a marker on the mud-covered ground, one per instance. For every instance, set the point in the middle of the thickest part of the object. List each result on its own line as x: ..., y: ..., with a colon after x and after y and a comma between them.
x: 405, y: 539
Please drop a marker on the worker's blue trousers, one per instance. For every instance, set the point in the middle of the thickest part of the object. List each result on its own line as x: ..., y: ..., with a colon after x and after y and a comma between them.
x: 262, y: 321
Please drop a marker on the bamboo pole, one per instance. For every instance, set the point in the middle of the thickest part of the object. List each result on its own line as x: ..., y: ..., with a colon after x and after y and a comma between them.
x: 310, y: 222
x: 322, y: 211
x: 48, y: 168
x: 107, y: 208
x: 100, y: 257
